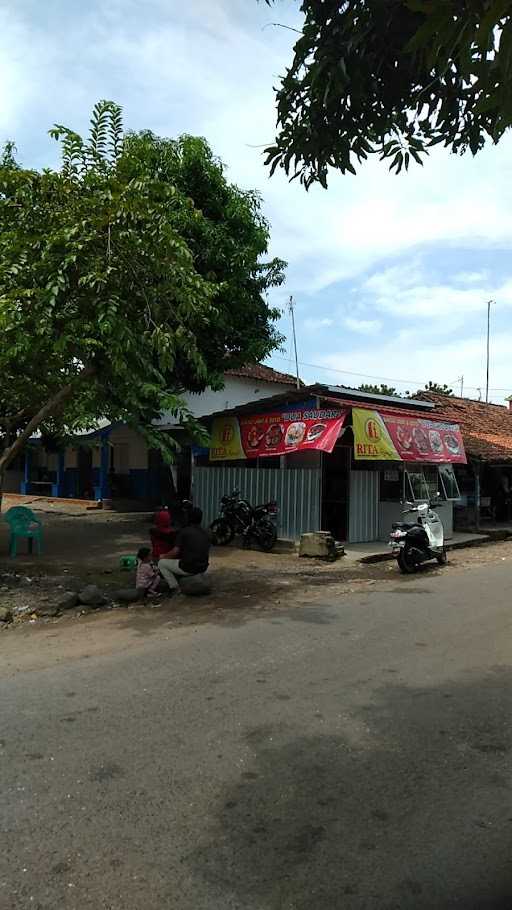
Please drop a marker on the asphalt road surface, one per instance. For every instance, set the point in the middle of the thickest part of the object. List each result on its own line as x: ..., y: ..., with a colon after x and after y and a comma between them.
x: 350, y: 753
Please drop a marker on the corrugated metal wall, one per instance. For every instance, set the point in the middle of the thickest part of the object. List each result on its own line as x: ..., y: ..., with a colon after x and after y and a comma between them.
x: 364, y: 506
x: 297, y: 493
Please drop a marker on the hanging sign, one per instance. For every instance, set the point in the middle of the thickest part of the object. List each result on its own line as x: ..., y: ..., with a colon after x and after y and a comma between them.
x: 226, y: 444
x: 390, y: 437
x: 372, y: 441
x: 278, y: 433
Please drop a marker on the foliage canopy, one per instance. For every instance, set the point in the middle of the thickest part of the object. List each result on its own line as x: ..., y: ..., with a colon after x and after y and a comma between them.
x: 393, y: 78
x: 131, y: 274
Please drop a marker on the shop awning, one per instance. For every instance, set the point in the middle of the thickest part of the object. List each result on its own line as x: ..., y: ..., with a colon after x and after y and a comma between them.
x: 278, y: 433
x: 391, y: 436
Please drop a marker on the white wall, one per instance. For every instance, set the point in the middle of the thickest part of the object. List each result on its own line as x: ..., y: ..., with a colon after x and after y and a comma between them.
x: 237, y: 390
x: 132, y: 449
x: 392, y: 511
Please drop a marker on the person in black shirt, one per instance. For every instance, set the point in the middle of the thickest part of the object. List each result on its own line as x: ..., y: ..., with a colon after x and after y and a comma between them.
x: 190, y: 555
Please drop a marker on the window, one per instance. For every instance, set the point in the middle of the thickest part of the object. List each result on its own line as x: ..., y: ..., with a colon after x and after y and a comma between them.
x: 431, y: 475
x: 391, y: 485
x: 431, y: 482
x: 416, y: 487
x: 448, y: 482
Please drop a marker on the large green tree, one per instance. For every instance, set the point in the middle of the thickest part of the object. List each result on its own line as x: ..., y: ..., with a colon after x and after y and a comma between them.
x: 393, y: 78
x: 132, y: 273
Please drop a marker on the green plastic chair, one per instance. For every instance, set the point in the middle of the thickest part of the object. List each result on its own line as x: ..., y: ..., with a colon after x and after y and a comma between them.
x: 23, y: 523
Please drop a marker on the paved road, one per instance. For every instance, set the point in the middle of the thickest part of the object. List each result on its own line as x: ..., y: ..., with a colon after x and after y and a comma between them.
x: 353, y: 753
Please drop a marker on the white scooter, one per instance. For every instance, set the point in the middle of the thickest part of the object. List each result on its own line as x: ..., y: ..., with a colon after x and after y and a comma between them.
x: 415, y: 543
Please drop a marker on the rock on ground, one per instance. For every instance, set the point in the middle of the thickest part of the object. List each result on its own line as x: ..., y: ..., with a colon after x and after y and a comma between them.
x: 5, y: 614
x: 91, y: 596
x: 195, y: 586
x: 67, y: 601
x: 47, y: 609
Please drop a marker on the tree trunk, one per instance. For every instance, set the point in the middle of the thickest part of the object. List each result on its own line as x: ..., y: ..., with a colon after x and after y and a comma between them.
x: 51, y: 407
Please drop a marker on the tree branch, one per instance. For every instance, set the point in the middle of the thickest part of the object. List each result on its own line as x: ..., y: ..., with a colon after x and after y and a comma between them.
x: 51, y: 407
x: 10, y: 422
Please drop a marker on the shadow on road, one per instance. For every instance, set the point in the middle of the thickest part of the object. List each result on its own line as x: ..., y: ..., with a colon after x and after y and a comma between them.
x: 407, y: 807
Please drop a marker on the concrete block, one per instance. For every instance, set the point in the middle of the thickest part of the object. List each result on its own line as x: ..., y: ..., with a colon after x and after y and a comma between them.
x: 316, y: 544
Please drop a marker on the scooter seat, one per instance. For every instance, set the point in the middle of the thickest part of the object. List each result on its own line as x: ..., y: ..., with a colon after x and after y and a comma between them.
x: 402, y: 526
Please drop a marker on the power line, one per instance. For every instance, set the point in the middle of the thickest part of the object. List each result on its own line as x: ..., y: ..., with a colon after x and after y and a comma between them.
x: 412, y: 382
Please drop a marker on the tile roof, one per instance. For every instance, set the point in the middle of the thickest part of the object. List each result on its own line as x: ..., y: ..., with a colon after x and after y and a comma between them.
x: 263, y: 374
x: 486, y: 428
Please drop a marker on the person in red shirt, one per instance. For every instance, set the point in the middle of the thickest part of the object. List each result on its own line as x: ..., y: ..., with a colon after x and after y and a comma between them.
x: 162, y: 534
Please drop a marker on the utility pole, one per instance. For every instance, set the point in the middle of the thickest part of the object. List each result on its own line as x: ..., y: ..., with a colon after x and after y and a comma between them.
x: 461, y: 380
x: 291, y: 305
x: 489, y: 302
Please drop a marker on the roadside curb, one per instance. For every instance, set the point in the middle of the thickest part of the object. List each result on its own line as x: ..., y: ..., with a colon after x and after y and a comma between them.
x: 480, y: 541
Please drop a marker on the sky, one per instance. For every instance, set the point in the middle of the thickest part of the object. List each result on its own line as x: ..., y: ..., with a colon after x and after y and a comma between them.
x: 390, y: 274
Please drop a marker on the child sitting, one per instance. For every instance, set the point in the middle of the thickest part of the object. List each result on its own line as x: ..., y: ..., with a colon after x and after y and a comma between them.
x: 148, y: 577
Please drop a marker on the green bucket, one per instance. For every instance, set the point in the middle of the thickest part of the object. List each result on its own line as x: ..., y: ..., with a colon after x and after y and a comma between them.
x: 128, y: 562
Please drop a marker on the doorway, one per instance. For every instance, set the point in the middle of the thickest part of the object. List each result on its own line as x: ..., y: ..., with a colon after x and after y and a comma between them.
x: 335, y: 491
x: 85, y: 479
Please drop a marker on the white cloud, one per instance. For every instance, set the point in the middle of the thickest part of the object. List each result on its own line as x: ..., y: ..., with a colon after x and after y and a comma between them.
x: 404, y: 291
x: 210, y: 68
x: 313, y: 324
x: 471, y: 277
x: 363, y: 326
x: 409, y: 368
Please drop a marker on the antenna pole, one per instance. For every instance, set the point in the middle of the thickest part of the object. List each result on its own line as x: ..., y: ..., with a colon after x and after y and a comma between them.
x: 291, y: 305
x: 488, y: 337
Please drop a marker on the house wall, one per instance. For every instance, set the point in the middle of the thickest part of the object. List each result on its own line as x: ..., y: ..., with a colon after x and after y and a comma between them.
x: 130, y: 448
x: 297, y: 491
x: 392, y: 511
x: 70, y: 458
x: 131, y: 462
x: 12, y: 481
x: 237, y: 390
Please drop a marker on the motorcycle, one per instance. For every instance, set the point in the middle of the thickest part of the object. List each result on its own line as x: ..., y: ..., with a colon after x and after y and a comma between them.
x: 418, y: 542
x: 252, y: 523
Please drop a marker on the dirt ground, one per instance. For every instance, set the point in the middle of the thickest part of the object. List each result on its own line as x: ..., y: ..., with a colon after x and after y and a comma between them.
x: 84, y: 547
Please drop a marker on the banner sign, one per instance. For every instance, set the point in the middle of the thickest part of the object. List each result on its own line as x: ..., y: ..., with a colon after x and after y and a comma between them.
x: 226, y: 444
x: 386, y: 437
x: 263, y: 435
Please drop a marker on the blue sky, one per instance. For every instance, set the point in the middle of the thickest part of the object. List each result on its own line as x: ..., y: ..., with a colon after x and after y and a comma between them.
x: 390, y: 274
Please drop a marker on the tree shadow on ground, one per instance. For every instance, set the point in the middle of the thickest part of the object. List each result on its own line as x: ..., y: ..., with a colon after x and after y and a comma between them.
x: 407, y: 806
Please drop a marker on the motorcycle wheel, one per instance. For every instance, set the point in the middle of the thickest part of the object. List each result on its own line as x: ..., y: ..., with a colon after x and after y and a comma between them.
x: 405, y: 562
x: 221, y: 532
x: 442, y: 558
x: 266, y: 535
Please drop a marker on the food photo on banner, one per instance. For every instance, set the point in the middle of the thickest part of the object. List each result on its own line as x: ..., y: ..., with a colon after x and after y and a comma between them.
x: 261, y: 435
x: 384, y: 437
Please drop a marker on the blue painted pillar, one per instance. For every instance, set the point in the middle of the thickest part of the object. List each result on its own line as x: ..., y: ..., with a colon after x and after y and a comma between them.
x: 104, y: 486
x: 25, y: 483
x: 58, y: 487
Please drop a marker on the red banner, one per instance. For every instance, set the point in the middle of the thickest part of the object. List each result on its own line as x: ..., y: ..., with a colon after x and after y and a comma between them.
x: 291, y: 431
x: 425, y: 440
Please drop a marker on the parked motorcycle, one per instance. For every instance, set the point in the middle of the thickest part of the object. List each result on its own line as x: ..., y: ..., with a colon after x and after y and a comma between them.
x: 414, y: 543
x: 252, y: 523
